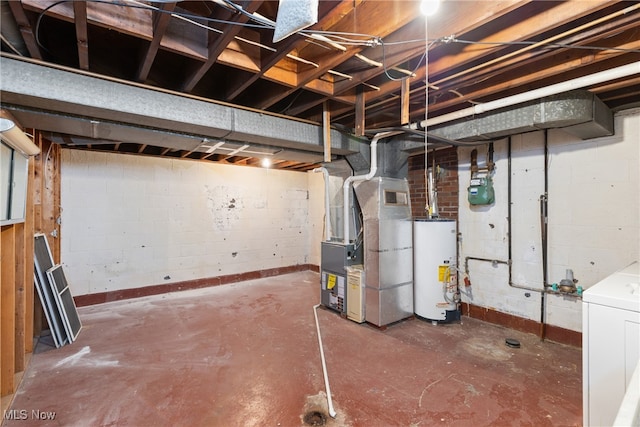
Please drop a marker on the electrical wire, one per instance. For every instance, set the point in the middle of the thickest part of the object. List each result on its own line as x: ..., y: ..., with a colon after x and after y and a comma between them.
x: 38, y: 21
x: 335, y: 39
x: 427, y: 46
x: 551, y: 45
x: 422, y: 58
x: 370, y: 40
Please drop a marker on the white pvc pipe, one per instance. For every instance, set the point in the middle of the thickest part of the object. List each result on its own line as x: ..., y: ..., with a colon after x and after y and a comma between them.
x: 580, y: 82
x: 332, y: 412
x: 371, y: 174
x: 327, y: 207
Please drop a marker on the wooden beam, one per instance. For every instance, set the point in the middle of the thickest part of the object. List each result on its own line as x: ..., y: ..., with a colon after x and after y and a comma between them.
x: 134, y: 22
x: 80, y: 18
x: 523, y: 75
x: 542, y: 17
x: 522, y: 69
x: 269, y: 60
x: 25, y: 29
x: 160, y: 24
x: 482, y: 11
x: 219, y: 42
x: 397, y: 53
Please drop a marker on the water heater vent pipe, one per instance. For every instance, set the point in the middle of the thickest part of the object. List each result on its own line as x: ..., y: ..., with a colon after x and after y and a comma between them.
x: 367, y: 177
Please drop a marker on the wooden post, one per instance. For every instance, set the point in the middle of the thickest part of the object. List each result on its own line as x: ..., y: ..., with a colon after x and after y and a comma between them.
x: 326, y: 130
x: 360, y: 108
x: 19, y: 292
x: 404, y: 102
x: 7, y: 310
x: 28, y: 272
x: 80, y: 18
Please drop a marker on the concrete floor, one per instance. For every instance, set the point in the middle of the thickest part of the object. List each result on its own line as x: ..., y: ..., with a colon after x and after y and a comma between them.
x: 247, y: 355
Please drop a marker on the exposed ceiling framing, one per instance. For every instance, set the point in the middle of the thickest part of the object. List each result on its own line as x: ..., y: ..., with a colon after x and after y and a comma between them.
x: 371, y: 76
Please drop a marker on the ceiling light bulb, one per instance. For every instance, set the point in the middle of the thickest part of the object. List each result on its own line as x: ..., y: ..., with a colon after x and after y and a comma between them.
x: 266, y: 162
x: 429, y: 7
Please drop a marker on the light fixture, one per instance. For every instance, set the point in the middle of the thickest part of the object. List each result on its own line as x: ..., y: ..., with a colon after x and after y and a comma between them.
x: 18, y: 140
x: 266, y: 162
x: 429, y: 7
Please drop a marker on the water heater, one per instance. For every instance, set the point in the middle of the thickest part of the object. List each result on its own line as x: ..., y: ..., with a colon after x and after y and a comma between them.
x: 434, y: 266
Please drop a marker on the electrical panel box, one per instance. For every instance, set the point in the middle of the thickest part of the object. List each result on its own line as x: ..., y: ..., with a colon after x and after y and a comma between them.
x: 355, y: 293
x: 481, y: 191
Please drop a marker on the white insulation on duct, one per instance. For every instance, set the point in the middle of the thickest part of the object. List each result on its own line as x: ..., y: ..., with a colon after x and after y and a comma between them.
x: 293, y: 16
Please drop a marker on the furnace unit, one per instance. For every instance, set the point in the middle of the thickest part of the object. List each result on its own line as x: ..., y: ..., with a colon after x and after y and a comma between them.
x: 336, y: 258
x: 366, y: 263
x: 388, y: 249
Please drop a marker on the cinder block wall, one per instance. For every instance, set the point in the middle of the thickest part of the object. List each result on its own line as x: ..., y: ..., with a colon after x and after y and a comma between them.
x: 134, y: 221
x: 593, y: 218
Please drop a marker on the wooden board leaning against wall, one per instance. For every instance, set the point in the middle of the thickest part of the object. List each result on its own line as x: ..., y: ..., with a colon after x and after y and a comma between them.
x: 21, y: 316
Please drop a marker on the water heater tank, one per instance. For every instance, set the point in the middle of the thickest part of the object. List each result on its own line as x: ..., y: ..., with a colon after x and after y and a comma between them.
x: 434, y: 266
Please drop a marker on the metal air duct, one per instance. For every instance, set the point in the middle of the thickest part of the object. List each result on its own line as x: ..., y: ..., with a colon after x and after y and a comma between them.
x: 578, y: 112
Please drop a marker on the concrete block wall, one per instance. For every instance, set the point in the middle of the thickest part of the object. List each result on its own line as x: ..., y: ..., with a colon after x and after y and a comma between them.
x: 593, y: 218
x: 134, y: 221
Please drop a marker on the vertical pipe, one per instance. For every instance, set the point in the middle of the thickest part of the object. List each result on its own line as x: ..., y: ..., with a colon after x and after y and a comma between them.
x: 544, y: 215
x: 543, y: 232
x: 509, y: 207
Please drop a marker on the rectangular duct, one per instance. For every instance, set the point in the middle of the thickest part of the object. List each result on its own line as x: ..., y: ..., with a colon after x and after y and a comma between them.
x: 578, y: 112
x: 120, y: 111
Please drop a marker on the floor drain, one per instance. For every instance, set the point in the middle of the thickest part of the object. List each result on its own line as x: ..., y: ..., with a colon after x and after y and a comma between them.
x: 315, y: 418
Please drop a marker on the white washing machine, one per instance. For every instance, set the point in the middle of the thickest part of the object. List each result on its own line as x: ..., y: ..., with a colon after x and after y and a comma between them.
x: 610, y: 343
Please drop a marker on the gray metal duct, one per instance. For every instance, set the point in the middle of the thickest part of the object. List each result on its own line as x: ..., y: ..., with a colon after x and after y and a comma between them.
x: 56, y: 100
x: 393, y: 157
x: 578, y: 112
